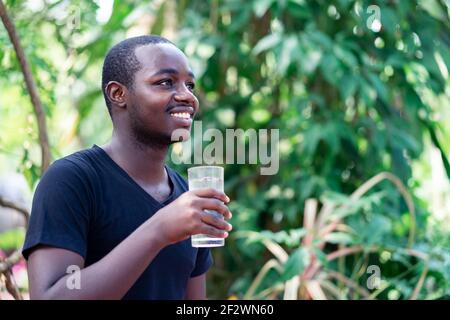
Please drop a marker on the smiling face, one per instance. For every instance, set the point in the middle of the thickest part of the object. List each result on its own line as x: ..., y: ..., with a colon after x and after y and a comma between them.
x: 161, y: 99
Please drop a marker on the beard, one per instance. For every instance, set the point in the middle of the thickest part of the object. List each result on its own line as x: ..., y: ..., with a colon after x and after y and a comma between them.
x: 145, y: 136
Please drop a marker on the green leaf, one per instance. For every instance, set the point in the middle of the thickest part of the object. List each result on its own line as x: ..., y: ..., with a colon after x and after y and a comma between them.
x: 266, y: 43
x: 321, y: 39
x: 241, y: 19
x: 373, y: 230
x: 260, y: 7
x: 158, y: 25
x: 379, y: 87
x: 338, y: 238
x: 434, y: 9
x: 437, y: 144
x: 347, y: 57
x: 396, y: 60
x: 287, y: 53
x: 368, y: 94
x: 322, y: 257
x: 312, y: 136
x: 12, y: 239
x: 298, y: 9
x: 389, y: 20
x: 296, y: 263
x: 330, y: 68
x: 348, y: 86
x: 403, y: 139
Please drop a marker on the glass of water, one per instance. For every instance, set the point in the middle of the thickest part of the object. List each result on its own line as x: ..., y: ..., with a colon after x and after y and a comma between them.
x: 204, y: 177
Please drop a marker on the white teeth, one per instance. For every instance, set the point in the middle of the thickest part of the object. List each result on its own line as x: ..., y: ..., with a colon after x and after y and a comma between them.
x: 183, y: 115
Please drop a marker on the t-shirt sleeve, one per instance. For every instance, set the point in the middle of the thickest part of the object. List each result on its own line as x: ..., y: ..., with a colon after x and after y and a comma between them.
x: 60, y: 210
x: 203, y: 262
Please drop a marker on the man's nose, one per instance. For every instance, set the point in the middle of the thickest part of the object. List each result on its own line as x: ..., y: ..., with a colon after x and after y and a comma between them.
x: 185, y: 95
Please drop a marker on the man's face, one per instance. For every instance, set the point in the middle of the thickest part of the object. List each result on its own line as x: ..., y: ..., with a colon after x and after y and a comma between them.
x: 161, y: 99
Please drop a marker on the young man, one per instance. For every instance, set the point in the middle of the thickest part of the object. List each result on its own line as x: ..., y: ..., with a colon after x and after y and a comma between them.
x: 117, y: 213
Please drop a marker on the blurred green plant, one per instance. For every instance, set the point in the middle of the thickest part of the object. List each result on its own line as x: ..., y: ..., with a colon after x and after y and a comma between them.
x: 305, y: 269
x: 12, y: 239
x: 351, y: 100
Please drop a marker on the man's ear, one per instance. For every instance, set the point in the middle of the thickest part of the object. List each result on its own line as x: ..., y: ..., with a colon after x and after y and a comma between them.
x: 117, y: 93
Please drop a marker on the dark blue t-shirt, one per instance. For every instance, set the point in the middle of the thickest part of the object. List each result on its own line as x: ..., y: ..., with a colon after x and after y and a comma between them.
x: 86, y: 203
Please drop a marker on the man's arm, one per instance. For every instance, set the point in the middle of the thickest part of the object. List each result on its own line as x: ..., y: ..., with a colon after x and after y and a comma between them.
x: 196, y: 288
x: 114, y: 274
x: 109, y: 278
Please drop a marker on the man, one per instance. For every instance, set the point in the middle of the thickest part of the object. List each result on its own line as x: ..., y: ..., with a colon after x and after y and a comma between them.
x: 117, y: 213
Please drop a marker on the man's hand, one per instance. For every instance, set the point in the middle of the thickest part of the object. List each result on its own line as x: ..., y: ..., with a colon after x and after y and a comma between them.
x: 185, y: 216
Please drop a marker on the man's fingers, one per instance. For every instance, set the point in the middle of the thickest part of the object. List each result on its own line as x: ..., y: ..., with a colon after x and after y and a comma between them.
x: 216, y: 221
x: 213, y: 232
x: 212, y: 193
x: 216, y: 205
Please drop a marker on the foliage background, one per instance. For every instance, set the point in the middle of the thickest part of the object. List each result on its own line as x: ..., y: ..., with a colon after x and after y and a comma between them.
x: 351, y: 102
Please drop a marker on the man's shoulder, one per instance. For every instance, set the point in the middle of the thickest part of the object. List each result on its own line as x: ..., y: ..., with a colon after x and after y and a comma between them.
x: 76, y: 165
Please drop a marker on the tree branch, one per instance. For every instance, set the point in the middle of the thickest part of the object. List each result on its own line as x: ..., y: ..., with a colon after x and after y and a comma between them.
x: 11, y: 285
x: 9, y: 262
x: 16, y: 256
x: 9, y: 204
x: 31, y: 87
x: 5, y: 269
x: 349, y: 283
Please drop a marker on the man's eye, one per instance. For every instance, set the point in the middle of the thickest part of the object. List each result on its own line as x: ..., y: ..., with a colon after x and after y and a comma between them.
x: 166, y: 83
x: 191, y: 85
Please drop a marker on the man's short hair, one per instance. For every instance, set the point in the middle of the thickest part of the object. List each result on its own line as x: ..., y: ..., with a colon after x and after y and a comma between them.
x: 121, y: 63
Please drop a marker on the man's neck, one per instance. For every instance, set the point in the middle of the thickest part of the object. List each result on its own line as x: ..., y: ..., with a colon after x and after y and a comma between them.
x: 143, y: 163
